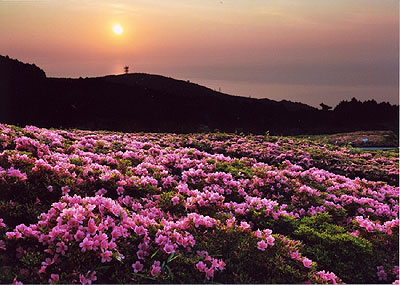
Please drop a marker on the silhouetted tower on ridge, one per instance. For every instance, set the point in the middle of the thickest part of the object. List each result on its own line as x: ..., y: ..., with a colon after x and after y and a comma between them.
x: 126, y: 69
x: 325, y: 107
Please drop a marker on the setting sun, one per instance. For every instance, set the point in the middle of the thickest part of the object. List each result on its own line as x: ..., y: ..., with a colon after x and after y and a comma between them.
x: 118, y: 29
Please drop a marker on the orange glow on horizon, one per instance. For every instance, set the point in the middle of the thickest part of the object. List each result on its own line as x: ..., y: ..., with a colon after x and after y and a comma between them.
x: 281, y: 43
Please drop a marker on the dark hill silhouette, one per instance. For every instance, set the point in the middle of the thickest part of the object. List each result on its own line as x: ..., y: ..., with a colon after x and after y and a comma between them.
x: 144, y: 102
x: 165, y: 85
x: 18, y: 84
x: 170, y: 86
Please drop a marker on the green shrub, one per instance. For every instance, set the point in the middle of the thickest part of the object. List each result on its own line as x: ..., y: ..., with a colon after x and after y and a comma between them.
x: 350, y: 257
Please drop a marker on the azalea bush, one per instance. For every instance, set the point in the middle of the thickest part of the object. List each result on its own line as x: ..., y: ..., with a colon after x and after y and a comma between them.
x: 86, y: 207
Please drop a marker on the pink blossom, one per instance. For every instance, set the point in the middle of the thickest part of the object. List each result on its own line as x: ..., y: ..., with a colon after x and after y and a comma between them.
x: 169, y: 248
x: 307, y: 262
x: 12, y: 172
x: 86, y: 244
x: 106, y: 256
x: 79, y: 235
x: 61, y: 248
x: 381, y: 273
x: 328, y: 277
x: 201, y: 266
x: 244, y: 225
x: 120, y: 190
x: 156, y: 268
x: 137, y: 266
x: 209, y: 273
x: 140, y: 230
x: 88, y: 278
x: 270, y: 240
x: 16, y: 282
x: 54, y: 278
x: 395, y: 270
x: 295, y: 255
x: 65, y: 190
x: 92, y: 228
x: 101, y: 192
x: 221, y: 265
x: 175, y: 200
x: 262, y: 245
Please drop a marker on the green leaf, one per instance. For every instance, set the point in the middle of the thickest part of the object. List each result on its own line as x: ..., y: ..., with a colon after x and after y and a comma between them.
x: 176, y: 256
x: 154, y: 254
x: 101, y: 268
x: 145, y: 276
x: 170, y: 274
x: 170, y: 257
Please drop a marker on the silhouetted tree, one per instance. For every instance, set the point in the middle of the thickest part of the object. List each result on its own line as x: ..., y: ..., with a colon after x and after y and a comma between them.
x: 126, y: 68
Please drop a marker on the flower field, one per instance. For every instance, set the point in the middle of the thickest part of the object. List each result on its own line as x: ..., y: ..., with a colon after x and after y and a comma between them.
x: 103, y: 207
x: 360, y: 139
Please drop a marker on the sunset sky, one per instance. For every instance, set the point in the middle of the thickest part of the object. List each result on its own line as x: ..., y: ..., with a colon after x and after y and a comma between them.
x: 310, y: 51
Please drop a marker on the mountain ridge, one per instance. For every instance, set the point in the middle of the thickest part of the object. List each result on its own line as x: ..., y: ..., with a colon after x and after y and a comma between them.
x: 159, y: 82
x: 154, y: 103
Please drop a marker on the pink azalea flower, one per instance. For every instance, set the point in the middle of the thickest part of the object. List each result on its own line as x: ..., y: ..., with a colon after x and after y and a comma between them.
x: 307, y: 262
x: 54, y: 278
x: 137, y: 266
x: 120, y: 190
x: 92, y: 228
x: 79, y: 235
x: 262, y: 245
x: 169, y: 248
x: 209, y: 273
x: 65, y: 190
x: 270, y: 240
x: 140, y: 230
x: 86, y: 244
x: 244, y: 225
x: 61, y: 248
x: 16, y: 282
x: 381, y: 273
x: 221, y: 265
x: 106, y: 256
x: 88, y: 278
x: 156, y: 268
x: 175, y: 200
x: 201, y: 266
x: 295, y: 255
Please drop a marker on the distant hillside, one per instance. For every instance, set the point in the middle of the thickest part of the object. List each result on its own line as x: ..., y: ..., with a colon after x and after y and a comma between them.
x: 289, y: 105
x: 170, y: 86
x: 144, y: 102
x: 163, y: 84
x: 17, y: 81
